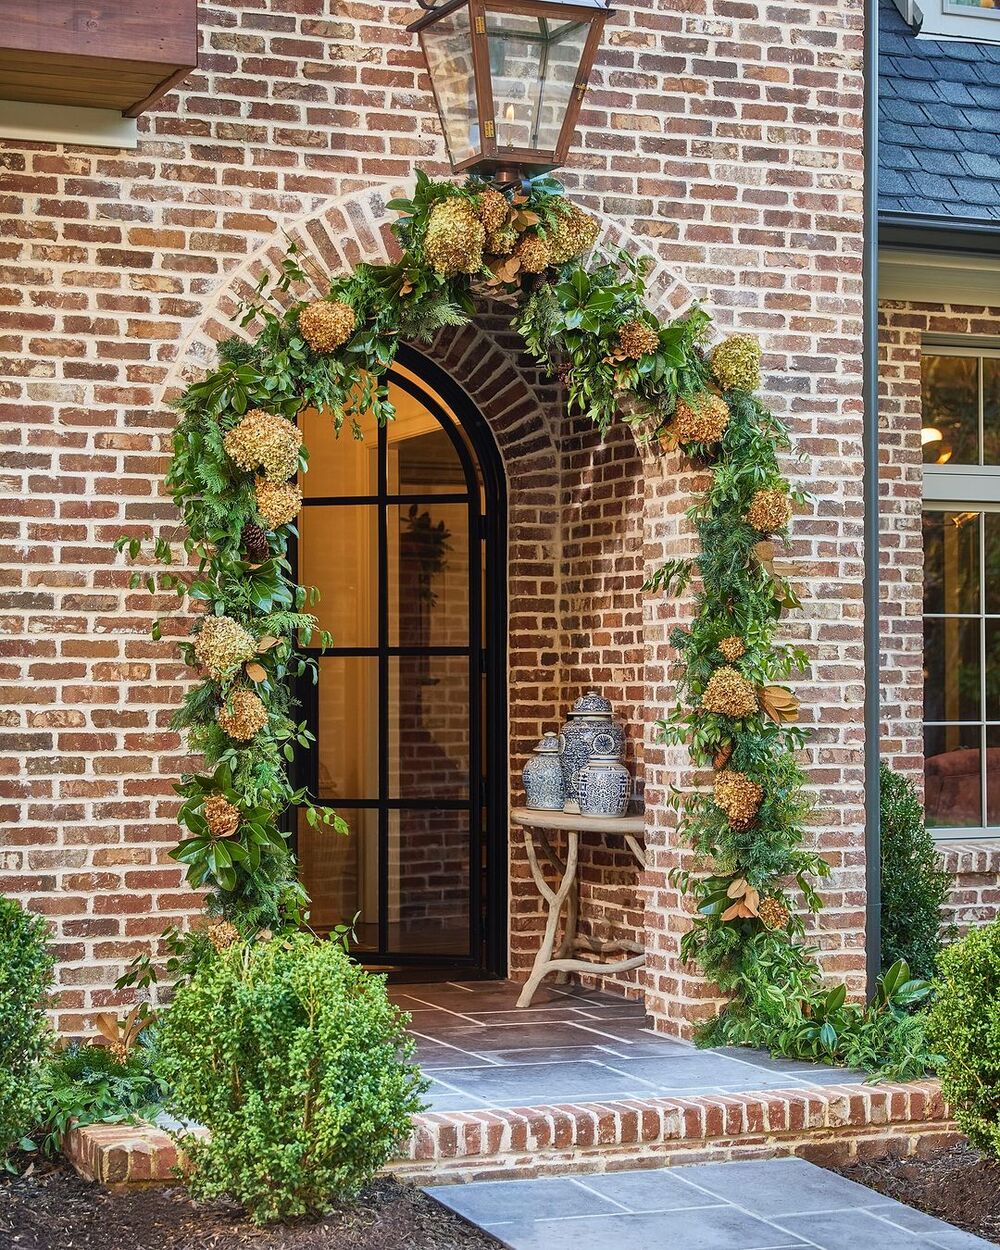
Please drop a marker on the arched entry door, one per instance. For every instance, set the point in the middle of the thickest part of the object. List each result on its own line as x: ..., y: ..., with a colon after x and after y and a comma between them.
x: 403, y: 534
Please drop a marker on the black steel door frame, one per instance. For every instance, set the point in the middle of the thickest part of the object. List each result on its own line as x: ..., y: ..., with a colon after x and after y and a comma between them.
x: 488, y: 760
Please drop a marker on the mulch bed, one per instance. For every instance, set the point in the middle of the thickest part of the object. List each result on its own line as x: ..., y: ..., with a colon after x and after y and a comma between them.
x: 957, y: 1185
x: 51, y: 1207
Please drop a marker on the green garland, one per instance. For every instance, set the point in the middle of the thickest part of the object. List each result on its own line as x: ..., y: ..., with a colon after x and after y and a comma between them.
x: 588, y: 324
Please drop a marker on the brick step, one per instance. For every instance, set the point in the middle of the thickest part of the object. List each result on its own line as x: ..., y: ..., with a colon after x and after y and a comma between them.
x: 831, y: 1124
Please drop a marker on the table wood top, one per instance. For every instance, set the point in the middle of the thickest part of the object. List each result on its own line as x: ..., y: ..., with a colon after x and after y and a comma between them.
x: 534, y: 818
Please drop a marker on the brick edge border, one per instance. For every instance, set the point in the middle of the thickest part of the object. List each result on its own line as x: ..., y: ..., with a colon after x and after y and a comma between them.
x: 832, y: 1124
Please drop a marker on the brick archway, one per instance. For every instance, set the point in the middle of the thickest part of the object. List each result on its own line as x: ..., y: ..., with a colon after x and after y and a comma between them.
x: 588, y: 518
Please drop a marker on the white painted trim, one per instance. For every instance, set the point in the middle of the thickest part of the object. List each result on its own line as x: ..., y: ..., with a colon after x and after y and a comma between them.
x: 64, y: 123
x: 942, y: 19
x: 938, y: 277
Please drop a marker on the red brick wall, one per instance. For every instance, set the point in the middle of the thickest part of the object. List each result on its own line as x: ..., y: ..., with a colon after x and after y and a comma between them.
x: 722, y: 140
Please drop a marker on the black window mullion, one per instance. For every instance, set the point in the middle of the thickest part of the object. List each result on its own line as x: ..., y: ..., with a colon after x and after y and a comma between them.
x: 475, y: 734
x: 383, y: 691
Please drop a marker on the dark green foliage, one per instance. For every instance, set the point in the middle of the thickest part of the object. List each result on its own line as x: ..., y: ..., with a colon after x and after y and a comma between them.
x: 88, y: 1085
x: 964, y: 1026
x: 25, y: 1037
x: 297, y: 1063
x: 913, y: 884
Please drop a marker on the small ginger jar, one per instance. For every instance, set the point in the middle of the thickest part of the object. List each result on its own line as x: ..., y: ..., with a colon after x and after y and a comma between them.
x: 589, y: 716
x: 604, y: 784
x: 544, y: 788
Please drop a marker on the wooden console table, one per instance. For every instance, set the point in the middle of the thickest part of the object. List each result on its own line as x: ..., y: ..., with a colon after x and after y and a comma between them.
x: 549, y: 959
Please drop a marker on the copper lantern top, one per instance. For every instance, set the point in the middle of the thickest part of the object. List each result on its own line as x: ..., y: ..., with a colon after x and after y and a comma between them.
x: 509, y: 77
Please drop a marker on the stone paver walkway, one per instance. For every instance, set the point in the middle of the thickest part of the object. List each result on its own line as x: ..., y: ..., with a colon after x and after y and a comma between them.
x: 572, y: 1045
x: 767, y: 1204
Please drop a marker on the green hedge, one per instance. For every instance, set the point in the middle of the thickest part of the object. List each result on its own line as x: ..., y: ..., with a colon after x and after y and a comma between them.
x: 913, y: 885
x: 25, y: 1038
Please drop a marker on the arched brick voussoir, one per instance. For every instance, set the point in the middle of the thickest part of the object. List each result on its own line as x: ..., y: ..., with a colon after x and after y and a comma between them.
x: 483, y: 357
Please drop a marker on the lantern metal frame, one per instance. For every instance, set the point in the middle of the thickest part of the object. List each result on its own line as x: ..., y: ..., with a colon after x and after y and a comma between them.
x: 506, y: 163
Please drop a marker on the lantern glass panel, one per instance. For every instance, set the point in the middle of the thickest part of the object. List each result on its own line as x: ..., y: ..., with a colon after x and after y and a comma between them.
x: 534, y: 62
x: 447, y: 45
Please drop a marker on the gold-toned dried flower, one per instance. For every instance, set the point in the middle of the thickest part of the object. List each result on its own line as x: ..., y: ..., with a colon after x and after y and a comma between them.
x: 493, y: 209
x: 770, y: 510
x: 243, y: 716
x: 454, y: 239
x: 533, y: 253
x: 701, y: 419
x: 327, y: 324
x: 277, y: 502
x: 637, y: 339
x: 729, y: 693
x: 574, y: 233
x: 736, y: 363
x: 737, y: 796
x: 263, y: 440
x: 773, y: 913
x: 222, y: 934
x: 222, y: 644
x: 221, y: 816
x: 501, y: 242
x: 732, y: 648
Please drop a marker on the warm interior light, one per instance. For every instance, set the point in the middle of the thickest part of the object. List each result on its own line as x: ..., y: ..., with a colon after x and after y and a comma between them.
x: 930, y: 434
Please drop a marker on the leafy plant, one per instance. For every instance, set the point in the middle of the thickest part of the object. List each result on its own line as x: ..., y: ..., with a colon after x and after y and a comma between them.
x: 25, y: 1038
x: 297, y: 1063
x: 93, y: 1084
x: 914, y: 887
x: 964, y: 1025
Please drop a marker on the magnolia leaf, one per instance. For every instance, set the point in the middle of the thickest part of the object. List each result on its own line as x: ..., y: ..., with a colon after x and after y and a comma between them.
x: 524, y: 218
x: 763, y: 553
x: 107, y: 1025
x: 780, y: 704
x: 737, y: 887
x: 266, y: 643
x: 751, y: 900
x: 256, y: 672
x: 738, y: 911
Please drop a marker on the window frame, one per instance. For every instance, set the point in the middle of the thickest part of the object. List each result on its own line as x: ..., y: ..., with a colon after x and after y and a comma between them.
x: 943, y: 20
x: 966, y: 488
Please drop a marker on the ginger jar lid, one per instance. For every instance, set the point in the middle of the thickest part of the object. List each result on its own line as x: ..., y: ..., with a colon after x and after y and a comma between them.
x: 591, y: 704
x: 549, y: 745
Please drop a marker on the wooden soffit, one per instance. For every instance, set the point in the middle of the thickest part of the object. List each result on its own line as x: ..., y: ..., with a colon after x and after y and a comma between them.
x: 106, y: 54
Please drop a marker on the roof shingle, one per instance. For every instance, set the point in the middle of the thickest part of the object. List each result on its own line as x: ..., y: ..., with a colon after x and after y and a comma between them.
x: 939, y: 154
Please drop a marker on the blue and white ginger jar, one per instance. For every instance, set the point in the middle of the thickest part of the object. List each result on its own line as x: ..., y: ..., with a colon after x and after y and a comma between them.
x: 604, y: 784
x: 589, y: 716
x: 543, y: 777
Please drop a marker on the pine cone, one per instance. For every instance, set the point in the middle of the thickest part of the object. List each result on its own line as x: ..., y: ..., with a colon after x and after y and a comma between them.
x: 637, y: 339
x: 327, y: 324
x: 253, y: 540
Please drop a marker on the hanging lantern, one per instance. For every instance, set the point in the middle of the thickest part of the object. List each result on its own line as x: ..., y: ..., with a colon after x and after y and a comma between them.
x: 509, y: 77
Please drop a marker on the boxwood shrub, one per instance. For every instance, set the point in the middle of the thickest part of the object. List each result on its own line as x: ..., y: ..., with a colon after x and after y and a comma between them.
x: 964, y: 1027
x: 25, y: 1037
x: 298, y: 1065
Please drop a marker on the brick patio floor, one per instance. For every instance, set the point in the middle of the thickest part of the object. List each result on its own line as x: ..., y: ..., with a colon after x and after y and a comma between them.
x: 759, y: 1205
x: 572, y: 1046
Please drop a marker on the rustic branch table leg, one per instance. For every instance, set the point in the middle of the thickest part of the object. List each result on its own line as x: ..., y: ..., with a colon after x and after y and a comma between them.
x: 554, y: 899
